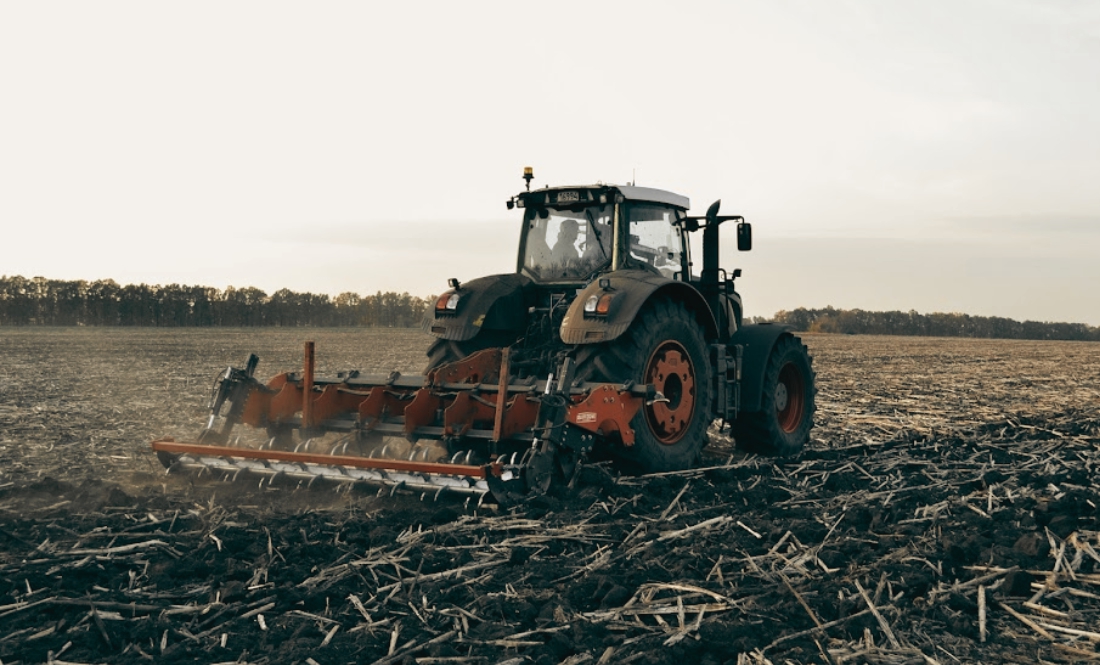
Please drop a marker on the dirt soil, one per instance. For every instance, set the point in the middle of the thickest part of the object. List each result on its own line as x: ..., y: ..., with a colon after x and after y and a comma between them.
x: 945, y: 512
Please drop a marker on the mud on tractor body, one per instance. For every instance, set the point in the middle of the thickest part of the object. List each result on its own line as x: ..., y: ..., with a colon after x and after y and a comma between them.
x: 604, y: 342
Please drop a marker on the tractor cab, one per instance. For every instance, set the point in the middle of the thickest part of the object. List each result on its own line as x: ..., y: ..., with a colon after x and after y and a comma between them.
x: 572, y: 234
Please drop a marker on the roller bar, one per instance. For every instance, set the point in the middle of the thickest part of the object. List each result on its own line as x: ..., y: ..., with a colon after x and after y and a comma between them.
x: 174, y: 447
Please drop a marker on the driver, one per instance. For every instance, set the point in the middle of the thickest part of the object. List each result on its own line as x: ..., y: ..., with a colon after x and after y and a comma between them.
x: 565, y: 249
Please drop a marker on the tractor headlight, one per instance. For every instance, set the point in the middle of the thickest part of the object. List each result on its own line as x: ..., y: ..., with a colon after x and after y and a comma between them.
x: 598, y: 305
x: 448, y: 302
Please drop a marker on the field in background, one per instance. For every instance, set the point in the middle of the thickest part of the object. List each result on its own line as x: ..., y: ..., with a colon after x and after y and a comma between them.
x: 949, y: 490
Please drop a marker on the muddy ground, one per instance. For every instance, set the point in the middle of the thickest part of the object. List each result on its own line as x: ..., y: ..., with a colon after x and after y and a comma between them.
x: 946, y: 511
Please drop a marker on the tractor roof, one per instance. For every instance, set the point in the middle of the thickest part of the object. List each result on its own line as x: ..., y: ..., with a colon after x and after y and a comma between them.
x: 632, y: 193
x: 629, y: 192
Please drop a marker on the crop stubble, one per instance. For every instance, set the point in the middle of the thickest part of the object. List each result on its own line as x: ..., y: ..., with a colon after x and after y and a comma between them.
x: 946, y: 511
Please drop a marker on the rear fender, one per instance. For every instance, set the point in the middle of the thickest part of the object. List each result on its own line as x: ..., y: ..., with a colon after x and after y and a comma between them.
x: 496, y: 302
x: 757, y: 342
x: 630, y: 290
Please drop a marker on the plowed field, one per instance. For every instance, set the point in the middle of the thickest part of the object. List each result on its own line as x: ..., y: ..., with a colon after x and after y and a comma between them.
x: 945, y: 512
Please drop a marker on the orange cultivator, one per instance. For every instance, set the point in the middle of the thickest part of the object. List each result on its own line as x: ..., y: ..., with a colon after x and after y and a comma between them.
x: 466, y: 426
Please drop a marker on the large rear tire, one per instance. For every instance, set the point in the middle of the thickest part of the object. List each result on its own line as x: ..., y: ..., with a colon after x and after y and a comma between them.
x: 664, y: 347
x: 782, y: 427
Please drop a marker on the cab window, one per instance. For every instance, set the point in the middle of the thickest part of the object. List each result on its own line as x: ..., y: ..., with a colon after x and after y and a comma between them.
x: 564, y: 245
x: 655, y: 241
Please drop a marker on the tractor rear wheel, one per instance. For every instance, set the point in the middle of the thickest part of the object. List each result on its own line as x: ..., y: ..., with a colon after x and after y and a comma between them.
x: 783, y: 426
x: 663, y: 347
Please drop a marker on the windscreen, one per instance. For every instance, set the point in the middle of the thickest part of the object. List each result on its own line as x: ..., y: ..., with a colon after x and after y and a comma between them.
x: 567, y: 244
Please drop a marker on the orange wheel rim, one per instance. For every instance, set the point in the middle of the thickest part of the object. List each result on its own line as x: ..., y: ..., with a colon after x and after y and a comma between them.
x: 670, y: 371
x: 790, y: 398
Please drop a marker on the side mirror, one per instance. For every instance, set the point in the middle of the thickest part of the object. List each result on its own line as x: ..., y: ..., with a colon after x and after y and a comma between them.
x: 691, y: 225
x: 744, y: 237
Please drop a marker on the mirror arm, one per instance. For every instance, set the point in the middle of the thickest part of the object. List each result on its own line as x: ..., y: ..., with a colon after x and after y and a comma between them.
x: 687, y: 222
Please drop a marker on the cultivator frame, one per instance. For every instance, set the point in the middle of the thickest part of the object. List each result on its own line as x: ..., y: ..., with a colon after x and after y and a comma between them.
x: 524, y: 432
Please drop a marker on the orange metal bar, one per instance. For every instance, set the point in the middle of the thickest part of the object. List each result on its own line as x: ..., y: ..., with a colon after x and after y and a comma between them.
x: 170, y: 446
x: 307, y: 387
x: 502, y: 391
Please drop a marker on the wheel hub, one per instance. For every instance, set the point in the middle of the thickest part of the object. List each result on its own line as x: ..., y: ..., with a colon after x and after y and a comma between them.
x: 780, y: 397
x: 669, y: 370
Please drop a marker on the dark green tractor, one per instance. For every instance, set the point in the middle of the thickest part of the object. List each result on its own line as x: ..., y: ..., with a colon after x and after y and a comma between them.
x: 605, y: 279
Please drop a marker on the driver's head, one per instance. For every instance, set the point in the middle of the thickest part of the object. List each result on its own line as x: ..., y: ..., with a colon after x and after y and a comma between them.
x: 569, y: 229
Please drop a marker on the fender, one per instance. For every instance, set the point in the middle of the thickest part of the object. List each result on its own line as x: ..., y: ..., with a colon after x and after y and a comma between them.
x: 757, y: 342
x: 496, y: 302
x: 630, y: 290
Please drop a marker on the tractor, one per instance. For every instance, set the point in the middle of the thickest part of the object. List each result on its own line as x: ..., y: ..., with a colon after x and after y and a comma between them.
x: 606, y: 342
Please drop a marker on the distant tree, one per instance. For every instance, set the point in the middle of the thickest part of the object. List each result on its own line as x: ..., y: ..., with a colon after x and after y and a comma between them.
x: 137, y: 305
x: 103, y: 303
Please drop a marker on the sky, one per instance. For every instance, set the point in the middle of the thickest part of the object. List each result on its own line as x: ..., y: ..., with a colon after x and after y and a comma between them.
x: 926, y: 155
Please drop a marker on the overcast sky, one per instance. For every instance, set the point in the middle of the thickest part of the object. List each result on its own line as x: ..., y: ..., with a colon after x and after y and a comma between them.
x: 937, y: 156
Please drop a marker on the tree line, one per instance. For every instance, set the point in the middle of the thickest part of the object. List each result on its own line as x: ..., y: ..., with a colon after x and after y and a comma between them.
x: 51, y: 302
x: 859, y: 322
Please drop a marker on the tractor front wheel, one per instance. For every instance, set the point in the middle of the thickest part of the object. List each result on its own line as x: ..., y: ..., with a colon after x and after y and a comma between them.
x: 782, y: 426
